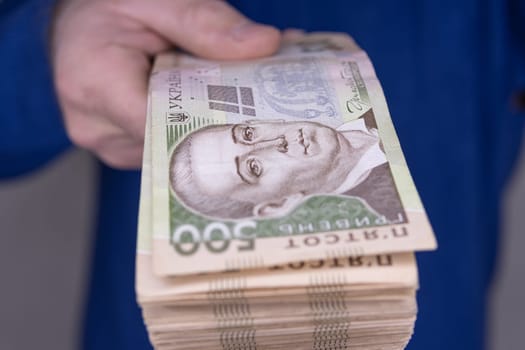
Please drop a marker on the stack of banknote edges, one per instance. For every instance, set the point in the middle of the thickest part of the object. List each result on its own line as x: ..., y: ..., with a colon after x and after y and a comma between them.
x: 277, y: 210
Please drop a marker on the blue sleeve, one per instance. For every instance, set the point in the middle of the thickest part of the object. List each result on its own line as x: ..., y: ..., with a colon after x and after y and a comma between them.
x: 31, y: 130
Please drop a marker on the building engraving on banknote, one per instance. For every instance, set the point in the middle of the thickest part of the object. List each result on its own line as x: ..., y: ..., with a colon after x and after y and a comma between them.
x: 296, y: 88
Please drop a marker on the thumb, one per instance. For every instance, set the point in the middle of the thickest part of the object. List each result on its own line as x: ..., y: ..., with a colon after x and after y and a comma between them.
x: 208, y: 28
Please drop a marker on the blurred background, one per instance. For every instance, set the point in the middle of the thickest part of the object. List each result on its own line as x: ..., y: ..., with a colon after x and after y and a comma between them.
x: 46, y: 232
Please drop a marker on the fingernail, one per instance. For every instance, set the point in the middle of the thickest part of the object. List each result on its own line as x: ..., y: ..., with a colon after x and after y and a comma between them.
x: 246, y: 30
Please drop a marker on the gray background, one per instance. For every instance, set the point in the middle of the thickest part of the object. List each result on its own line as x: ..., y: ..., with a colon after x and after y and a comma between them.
x: 46, y: 222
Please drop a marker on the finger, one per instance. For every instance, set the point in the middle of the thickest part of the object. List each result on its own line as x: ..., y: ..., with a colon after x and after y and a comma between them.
x: 207, y: 28
x: 121, y: 153
x: 292, y: 34
x: 110, y: 143
x: 89, y: 131
x: 124, y: 97
x: 113, y: 85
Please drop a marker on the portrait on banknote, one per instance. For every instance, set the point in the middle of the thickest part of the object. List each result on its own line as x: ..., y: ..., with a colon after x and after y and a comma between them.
x: 265, y: 169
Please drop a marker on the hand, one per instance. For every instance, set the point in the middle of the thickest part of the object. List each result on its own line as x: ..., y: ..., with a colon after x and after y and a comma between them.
x: 101, y: 56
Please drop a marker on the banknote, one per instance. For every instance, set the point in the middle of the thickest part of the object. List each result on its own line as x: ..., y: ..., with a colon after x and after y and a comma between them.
x: 278, y: 160
x: 385, y: 269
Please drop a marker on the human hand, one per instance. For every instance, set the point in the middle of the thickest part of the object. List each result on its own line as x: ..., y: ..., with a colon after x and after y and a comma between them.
x: 101, y: 57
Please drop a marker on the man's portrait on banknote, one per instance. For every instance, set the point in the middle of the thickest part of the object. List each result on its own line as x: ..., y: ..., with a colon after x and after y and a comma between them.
x: 262, y: 169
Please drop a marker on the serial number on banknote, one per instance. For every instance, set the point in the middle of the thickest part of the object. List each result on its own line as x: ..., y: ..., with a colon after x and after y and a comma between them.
x: 351, y: 261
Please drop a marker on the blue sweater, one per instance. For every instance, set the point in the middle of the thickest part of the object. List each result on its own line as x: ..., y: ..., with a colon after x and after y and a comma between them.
x: 448, y: 69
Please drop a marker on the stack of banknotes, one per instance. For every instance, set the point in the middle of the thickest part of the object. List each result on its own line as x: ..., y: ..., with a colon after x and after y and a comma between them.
x: 277, y: 210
